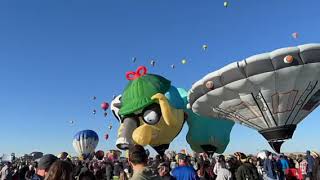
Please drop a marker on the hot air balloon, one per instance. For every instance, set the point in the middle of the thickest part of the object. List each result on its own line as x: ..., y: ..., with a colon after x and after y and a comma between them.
x: 153, y: 63
x: 110, y: 127
x: 173, y: 66
x: 295, y: 35
x: 183, y: 61
x: 106, y: 136
x: 104, y: 106
x: 85, y: 142
x: 94, y: 97
x: 105, y: 114
x: 134, y: 59
x: 71, y: 122
x: 94, y: 112
x: 226, y: 4
x: 204, y: 47
x: 99, y: 154
x: 264, y: 92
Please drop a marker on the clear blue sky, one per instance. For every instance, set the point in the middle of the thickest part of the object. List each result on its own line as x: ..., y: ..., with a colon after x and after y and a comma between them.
x: 55, y: 55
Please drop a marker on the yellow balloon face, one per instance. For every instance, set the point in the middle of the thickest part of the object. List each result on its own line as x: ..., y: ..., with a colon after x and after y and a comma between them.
x: 162, y: 132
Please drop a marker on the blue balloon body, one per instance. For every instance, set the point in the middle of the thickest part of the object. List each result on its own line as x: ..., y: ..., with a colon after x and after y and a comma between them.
x: 203, y: 131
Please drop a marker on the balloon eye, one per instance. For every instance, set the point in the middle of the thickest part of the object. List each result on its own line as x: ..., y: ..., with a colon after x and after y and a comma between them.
x: 151, y: 117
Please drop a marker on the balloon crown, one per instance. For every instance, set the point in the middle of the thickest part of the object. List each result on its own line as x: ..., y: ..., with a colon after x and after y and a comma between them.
x: 132, y: 75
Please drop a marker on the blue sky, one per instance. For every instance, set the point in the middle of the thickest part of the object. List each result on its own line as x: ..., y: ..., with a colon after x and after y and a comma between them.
x: 56, y: 55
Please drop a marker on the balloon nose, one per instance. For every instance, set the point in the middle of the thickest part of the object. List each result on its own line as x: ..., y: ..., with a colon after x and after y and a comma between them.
x: 125, y: 131
x: 122, y: 143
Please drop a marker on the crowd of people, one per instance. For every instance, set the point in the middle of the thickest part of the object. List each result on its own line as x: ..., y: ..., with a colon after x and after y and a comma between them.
x: 139, y: 166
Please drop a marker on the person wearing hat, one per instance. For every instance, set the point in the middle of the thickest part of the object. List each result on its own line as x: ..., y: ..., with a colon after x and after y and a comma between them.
x: 43, y: 166
x: 246, y: 171
x: 138, y: 160
x: 183, y: 171
x: 164, y: 171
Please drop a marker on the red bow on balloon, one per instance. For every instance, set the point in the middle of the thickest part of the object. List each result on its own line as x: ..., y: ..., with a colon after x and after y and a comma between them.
x: 141, y: 71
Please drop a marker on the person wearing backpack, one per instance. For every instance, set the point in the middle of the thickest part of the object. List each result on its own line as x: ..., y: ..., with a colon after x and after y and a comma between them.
x: 246, y: 171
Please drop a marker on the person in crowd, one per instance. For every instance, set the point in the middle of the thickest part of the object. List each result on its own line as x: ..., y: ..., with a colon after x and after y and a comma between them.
x: 23, y: 170
x: 283, y: 166
x: 219, y: 165
x: 246, y: 171
x: 60, y: 170
x: 183, y: 171
x: 30, y: 173
x: 86, y: 175
x: 43, y: 166
x: 270, y: 168
x: 164, y: 171
x: 138, y: 159
x: 220, y: 169
x: 310, y: 165
x: 109, y: 170
x: 6, y: 173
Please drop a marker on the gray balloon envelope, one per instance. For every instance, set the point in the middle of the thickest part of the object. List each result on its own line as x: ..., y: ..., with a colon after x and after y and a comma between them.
x: 263, y: 92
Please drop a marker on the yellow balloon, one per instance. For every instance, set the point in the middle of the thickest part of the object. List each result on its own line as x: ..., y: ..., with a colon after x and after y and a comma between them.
x: 184, y: 61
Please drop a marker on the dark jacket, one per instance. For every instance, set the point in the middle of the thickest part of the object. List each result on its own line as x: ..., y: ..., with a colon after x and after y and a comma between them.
x: 247, y: 172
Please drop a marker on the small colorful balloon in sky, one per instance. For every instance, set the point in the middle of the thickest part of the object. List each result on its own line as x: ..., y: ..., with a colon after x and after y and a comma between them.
x: 105, y: 114
x: 110, y: 127
x: 173, y: 66
x: 106, y: 136
x: 184, y: 61
x: 295, y: 35
x: 94, y: 112
x: 104, y: 106
x: 134, y: 59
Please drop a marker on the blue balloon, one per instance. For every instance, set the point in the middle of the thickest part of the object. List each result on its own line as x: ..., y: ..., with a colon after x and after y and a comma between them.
x: 85, y: 143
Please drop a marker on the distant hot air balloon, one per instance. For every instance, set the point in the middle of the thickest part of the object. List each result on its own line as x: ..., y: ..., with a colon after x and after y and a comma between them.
x: 183, y: 61
x: 94, y: 112
x: 295, y: 35
x: 152, y: 62
x: 104, y: 106
x: 226, y: 4
x: 110, y: 127
x: 85, y: 142
x: 204, y: 47
x: 134, y: 59
x: 106, y: 136
x: 99, y: 154
x: 94, y: 97
x: 105, y: 114
x: 270, y: 92
x: 173, y: 66
x: 71, y: 122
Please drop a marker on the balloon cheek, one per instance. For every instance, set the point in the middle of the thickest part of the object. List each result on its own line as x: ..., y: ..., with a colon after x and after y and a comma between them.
x: 142, y: 135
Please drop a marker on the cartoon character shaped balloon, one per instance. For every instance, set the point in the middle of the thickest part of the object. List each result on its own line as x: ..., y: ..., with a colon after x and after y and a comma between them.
x: 152, y: 112
x: 270, y: 92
